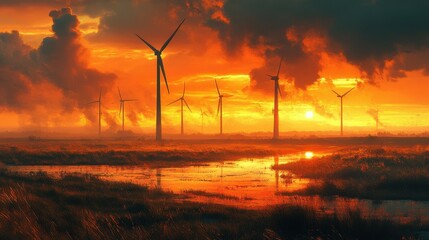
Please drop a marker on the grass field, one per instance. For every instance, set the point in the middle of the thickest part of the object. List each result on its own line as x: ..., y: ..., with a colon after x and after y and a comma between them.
x: 366, y: 172
x: 36, y: 206
x: 83, y: 207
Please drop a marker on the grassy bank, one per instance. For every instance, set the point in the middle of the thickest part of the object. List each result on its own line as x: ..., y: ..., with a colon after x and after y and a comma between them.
x: 181, y: 152
x: 83, y: 207
x: 121, y: 153
x: 372, y: 173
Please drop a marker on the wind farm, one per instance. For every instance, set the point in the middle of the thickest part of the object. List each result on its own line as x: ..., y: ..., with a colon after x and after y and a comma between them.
x: 262, y: 149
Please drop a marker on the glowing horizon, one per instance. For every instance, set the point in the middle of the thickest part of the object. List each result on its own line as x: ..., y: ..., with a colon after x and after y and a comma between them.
x: 198, y: 57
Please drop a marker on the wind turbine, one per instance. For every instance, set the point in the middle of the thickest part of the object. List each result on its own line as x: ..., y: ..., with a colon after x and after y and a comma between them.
x: 219, y: 105
x: 275, y: 78
x: 99, y: 112
x: 122, y: 108
x: 160, y: 66
x: 182, y: 100
x: 341, y: 100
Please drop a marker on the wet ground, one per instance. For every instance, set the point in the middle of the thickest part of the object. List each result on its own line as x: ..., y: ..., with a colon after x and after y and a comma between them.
x: 245, y: 183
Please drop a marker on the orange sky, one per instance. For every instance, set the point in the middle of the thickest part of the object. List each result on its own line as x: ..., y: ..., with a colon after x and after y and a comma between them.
x: 197, y: 56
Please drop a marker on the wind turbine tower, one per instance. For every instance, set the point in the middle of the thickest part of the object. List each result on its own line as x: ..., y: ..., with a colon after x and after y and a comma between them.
x: 182, y: 100
x: 220, y: 106
x: 341, y: 100
x: 275, y: 78
x: 99, y: 112
x: 160, y: 67
x: 122, y: 108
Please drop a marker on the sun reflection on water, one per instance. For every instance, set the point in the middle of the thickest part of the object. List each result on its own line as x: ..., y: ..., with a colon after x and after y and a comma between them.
x: 246, y: 183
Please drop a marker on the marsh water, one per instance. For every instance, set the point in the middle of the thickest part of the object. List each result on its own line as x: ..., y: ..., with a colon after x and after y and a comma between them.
x: 246, y: 183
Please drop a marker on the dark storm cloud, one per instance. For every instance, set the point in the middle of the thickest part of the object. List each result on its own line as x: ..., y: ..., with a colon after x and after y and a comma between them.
x: 21, y: 3
x: 367, y: 32
x: 410, y: 61
x: 64, y: 60
x: 16, y: 67
x: 60, y: 61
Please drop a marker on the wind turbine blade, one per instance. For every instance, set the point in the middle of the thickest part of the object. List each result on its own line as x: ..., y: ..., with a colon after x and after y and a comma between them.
x: 171, y: 37
x: 218, y: 107
x: 347, y: 92
x: 148, y: 44
x: 120, y: 96
x: 338, y: 95
x: 92, y: 102
x: 271, y: 76
x: 161, y: 64
x: 183, y: 89
x: 174, y: 101
x: 227, y: 95
x: 187, y: 105
x: 99, y: 98
x: 278, y: 71
x: 130, y: 100
x: 278, y: 88
x: 120, y: 108
x: 217, y: 87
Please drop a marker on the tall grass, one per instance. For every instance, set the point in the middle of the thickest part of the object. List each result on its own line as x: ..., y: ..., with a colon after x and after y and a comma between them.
x: 84, y: 207
x: 374, y: 173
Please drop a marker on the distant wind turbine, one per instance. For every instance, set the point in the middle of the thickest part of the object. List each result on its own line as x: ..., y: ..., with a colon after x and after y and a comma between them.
x: 341, y: 100
x: 160, y: 66
x: 220, y: 106
x: 182, y: 100
x: 122, y: 108
x: 99, y: 112
x: 275, y: 78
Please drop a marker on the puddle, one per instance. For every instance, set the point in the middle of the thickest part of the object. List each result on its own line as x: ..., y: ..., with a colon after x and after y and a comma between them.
x: 246, y: 183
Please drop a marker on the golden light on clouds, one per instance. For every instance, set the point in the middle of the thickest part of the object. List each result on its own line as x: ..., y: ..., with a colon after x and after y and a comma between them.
x: 198, y: 55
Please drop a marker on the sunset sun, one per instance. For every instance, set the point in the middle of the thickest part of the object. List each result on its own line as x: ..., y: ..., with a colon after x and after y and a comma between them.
x: 309, y: 114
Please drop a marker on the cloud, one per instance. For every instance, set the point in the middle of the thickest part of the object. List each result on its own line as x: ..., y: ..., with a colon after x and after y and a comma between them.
x: 368, y: 33
x: 59, y: 64
x: 14, y: 64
